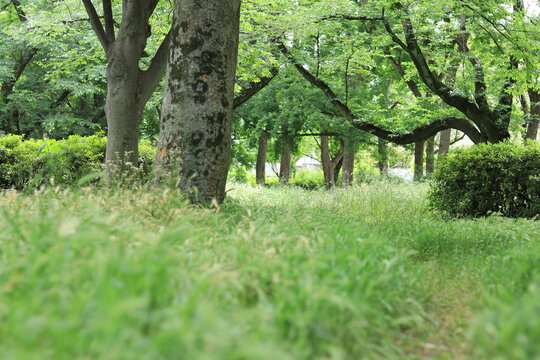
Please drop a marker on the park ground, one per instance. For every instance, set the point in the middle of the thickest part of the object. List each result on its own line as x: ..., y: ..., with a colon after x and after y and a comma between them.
x: 274, y: 273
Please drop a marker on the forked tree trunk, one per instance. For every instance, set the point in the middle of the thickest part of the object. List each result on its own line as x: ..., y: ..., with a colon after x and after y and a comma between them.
x: 347, y: 172
x: 430, y: 156
x: 534, y: 121
x: 128, y: 87
x: 285, y: 163
x: 418, y: 160
x: 199, y: 93
x: 260, y: 167
x: 444, y: 143
x: 382, y: 163
x: 330, y: 166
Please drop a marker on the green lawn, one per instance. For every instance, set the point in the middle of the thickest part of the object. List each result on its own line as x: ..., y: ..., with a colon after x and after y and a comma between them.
x: 279, y: 273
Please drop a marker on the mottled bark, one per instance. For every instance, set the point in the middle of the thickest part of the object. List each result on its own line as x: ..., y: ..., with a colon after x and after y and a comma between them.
x: 419, y: 160
x: 382, y: 163
x: 347, y: 171
x: 534, y: 118
x: 285, y: 161
x: 260, y: 166
x: 199, y: 93
x: 430, y: 156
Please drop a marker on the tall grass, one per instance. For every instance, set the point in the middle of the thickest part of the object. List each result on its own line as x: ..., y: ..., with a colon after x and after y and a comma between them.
x: 278, y: 273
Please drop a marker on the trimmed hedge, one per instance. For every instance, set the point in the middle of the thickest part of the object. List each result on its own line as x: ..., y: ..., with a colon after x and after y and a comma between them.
x: 489, y: 179
x: 30, y: 163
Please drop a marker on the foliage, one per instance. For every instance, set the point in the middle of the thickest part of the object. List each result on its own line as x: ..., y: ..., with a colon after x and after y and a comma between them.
x: 308, y: 179
x: 27, y: 164
x: 489, y: 178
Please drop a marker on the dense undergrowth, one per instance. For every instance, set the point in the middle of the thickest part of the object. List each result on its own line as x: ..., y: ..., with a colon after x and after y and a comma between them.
x: 275, y: 273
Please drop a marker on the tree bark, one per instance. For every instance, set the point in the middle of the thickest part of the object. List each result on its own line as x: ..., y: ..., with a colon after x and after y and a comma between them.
x: 430, y: 156
x: 419, y: 160
x: 534, y: 120
x: 260, y: 167
x: 444, y: 143
x: 128, y: 87
x: 326, y: 162
x: 331, y: 166
x: 199, y: 94
x: 347, y: 172
x: 382, y: 147
x: 285, y: 162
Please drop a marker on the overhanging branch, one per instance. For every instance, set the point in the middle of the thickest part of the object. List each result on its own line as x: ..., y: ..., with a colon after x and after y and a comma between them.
x: 421, y: 133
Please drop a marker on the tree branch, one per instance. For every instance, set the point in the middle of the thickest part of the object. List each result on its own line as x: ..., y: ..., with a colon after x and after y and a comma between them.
x: 151, y: 78
x: 421, y: 133
x: 109, y: 20
x: 349, y: 17
x: 96, y: 24
x: 253, y: 88
x: 480, y: 81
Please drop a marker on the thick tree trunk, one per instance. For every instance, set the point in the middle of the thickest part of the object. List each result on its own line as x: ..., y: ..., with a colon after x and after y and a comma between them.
x: 534, y: 121
x: 199, y: 93
x: 260, y: 167
x: 123, y: 110
x: 418, y: 160
x: 382, y: 163
x: 347, y: 172
x: 285, y: 163
x: 430, y: 156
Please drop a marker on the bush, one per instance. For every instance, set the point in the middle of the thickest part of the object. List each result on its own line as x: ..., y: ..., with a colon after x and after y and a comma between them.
x: 499, y: 178
x: 30, y: 163
x: 308, y: 179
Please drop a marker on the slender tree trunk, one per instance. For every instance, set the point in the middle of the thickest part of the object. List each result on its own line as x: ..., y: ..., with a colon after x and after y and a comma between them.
x: 382, y: 146
x: 418, y: 160
x: 338, y: 165
x: 534, y: 121
x: 285, y: 163
x: 260, y: 167
x: 199, y: 94
x: 444, y: 143
x: 326, y: 161
x: 430, y: 156
x: 347, y: 172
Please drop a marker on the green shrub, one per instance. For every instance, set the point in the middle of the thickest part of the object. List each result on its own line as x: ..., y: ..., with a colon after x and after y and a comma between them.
x: 308, y: 179
x: 499, y: 178
x: 30, y: 163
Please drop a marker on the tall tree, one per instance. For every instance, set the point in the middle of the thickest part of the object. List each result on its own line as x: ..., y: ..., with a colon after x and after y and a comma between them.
x: 129, y: 86
x: 199, y: 94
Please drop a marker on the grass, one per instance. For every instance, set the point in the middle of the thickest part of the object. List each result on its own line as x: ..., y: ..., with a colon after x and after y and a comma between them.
x: 279, y: 273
